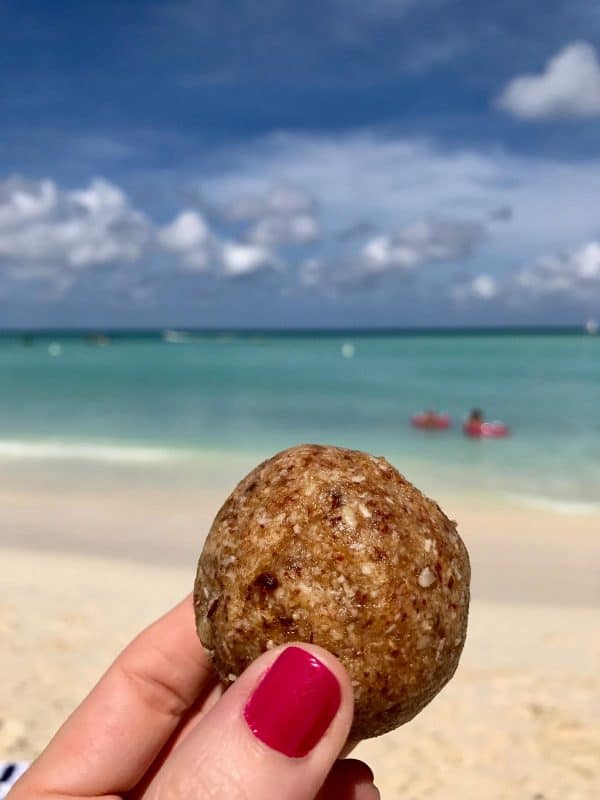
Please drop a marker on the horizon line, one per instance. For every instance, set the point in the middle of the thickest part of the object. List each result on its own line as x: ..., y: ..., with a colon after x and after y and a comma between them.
x: 94, y: 331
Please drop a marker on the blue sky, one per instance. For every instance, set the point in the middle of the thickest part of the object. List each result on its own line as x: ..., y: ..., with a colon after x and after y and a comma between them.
x: 333, y: 163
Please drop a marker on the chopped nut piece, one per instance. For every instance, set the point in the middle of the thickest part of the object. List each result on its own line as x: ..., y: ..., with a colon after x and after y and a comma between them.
x: 427, y: 578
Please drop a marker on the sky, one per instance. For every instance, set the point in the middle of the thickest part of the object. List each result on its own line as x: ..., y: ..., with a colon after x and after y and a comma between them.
x: 337, y: 163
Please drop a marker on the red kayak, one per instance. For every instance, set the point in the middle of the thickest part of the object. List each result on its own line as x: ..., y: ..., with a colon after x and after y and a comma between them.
x: 486, y: 430
x: 431, y: 422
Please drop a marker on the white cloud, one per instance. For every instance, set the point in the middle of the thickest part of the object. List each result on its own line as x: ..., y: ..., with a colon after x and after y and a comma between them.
x: 240, y: 260
x: 393, y: 181
x: 48, y: 233
x: 576, y: 272
x: 420, y: 244
x: 189, y: 236
x: 423, y: 242
x: 482, y: 287
x: 274, y: 230
x: 45, y: 229
x: 22, y: 201
x: 568, y: 87
x: 284, y: 214
x: 187, y: 231
x: 52, y: 236
x: 485, y: 287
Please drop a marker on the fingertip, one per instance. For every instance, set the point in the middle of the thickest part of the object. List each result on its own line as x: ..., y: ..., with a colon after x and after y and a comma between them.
x: 284, y: 722
x: 294, y: 674
x: 356, y: 770
x: 332, y: 663
x: 349, y: 779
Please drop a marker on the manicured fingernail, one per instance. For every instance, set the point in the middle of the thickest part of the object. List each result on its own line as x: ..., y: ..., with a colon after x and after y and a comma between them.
x: 293, y: 705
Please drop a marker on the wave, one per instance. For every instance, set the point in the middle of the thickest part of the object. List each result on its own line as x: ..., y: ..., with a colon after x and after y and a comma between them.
x: 579, y: 507
x: 87, y: 451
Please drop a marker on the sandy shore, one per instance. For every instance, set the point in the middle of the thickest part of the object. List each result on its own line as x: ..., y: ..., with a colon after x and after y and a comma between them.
x: 81, y: 574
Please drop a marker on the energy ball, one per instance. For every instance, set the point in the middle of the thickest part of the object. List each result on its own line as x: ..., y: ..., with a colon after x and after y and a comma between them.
x: 334, y: 546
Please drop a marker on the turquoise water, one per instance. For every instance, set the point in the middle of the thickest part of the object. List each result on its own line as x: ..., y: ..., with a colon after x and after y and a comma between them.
x: 204, y: 402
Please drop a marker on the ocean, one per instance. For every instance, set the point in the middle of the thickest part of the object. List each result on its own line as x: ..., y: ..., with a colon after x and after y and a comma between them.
x: 202, y: 409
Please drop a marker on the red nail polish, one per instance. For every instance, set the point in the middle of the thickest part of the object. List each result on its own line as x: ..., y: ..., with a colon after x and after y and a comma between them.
x: 294, y: 703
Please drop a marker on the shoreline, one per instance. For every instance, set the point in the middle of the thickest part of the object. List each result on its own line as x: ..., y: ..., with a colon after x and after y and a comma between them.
x: 518, y: 554
x: 80, y: 466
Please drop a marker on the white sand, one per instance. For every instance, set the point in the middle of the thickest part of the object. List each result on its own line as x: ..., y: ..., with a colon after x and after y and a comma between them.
x: 521, y: 719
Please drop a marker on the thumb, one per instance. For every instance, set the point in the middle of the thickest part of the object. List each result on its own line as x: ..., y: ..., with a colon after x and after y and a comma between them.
x: 277, y: 730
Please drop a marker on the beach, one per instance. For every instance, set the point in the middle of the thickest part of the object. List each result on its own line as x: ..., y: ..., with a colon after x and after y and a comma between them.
x: 346, y: 257
x: 115, y: 459
x: 83, y: 572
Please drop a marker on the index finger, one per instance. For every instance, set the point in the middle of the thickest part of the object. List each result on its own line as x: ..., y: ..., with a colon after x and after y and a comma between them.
x: 112, y: 738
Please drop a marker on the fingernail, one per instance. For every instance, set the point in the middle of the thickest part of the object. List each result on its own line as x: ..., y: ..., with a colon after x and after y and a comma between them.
x: 293, y: 705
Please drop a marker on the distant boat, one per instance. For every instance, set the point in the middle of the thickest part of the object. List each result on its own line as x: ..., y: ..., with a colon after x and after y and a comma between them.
x: 591, y: 327
x: 175, y: 337
x: 348, y: 350
x: 98, y: 339
x: 55, y: 349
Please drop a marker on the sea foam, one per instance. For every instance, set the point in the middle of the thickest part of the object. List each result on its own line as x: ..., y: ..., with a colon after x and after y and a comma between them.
x: 578, y: 507
x: 87, y: 451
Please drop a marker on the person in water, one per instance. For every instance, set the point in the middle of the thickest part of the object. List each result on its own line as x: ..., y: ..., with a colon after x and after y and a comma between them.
x: 429, y: 419
x: 474, y: 423
x: 476, y: 417
x: 476, y: 426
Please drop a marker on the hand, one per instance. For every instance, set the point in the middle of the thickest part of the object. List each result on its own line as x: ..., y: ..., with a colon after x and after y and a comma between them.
x: 158, y: 726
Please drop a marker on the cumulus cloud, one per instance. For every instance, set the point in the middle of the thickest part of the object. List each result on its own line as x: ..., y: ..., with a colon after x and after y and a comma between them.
x: 190, y: 238
x: 53, y: 236
x: 424, y: 242
x: 576, y: 272
x: 484, y: 286
x: 481, y: 287
x: 296, y: 229
x: 187, y: 231
x: 282, y: 215
x: 44, y: 229
x: 569, y: 86
x: 242, y: 259
x: 22, y: 201
x: 188, y: 235
x: 393, y: 180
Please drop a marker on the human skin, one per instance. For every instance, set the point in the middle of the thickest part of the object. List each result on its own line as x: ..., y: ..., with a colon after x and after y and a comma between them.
x: 157, y: 725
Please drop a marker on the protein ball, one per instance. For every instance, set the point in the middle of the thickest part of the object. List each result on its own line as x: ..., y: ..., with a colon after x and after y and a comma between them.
x: 336, y: 547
